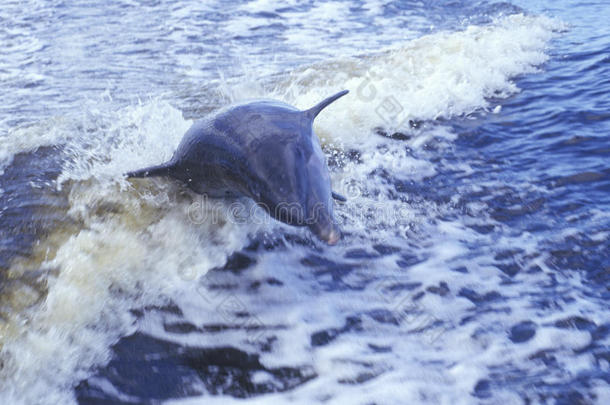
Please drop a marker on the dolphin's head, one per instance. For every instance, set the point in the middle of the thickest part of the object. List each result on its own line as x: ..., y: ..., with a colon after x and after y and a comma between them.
x: 294, y: 184
x: 292, y: 180
x: 319, y: 202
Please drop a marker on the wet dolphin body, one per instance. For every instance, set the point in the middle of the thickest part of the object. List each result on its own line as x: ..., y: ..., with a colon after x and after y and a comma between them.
x: 265, y: 150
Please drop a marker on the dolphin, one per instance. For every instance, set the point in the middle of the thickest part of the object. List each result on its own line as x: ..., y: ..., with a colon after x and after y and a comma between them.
x: 265, y: 150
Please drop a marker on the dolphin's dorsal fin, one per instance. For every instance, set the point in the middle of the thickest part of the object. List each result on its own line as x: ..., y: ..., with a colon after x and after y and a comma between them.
x: 315, y: 110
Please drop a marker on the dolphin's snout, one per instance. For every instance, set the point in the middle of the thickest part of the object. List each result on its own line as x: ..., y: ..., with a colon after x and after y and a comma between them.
x: 329, y: 234
x: 333, y: 236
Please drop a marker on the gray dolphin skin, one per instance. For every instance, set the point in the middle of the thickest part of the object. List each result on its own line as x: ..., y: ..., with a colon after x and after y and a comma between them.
x: 265, y: 150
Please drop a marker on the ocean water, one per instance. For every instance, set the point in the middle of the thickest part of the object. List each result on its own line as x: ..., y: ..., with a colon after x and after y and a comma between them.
x: 473, y: 147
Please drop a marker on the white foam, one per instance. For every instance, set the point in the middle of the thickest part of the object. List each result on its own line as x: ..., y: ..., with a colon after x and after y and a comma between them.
x: 439, y: 75
x: 137, y: 246
x: 120, y: 259
x: 30, y: 137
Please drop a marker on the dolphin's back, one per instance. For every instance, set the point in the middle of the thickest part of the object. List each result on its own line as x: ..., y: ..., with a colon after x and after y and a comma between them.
x: 238, y: 147
x: 210, y: 161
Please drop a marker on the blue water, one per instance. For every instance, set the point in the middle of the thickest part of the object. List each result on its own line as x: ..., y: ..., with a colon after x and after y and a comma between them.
x: 475, y: 264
